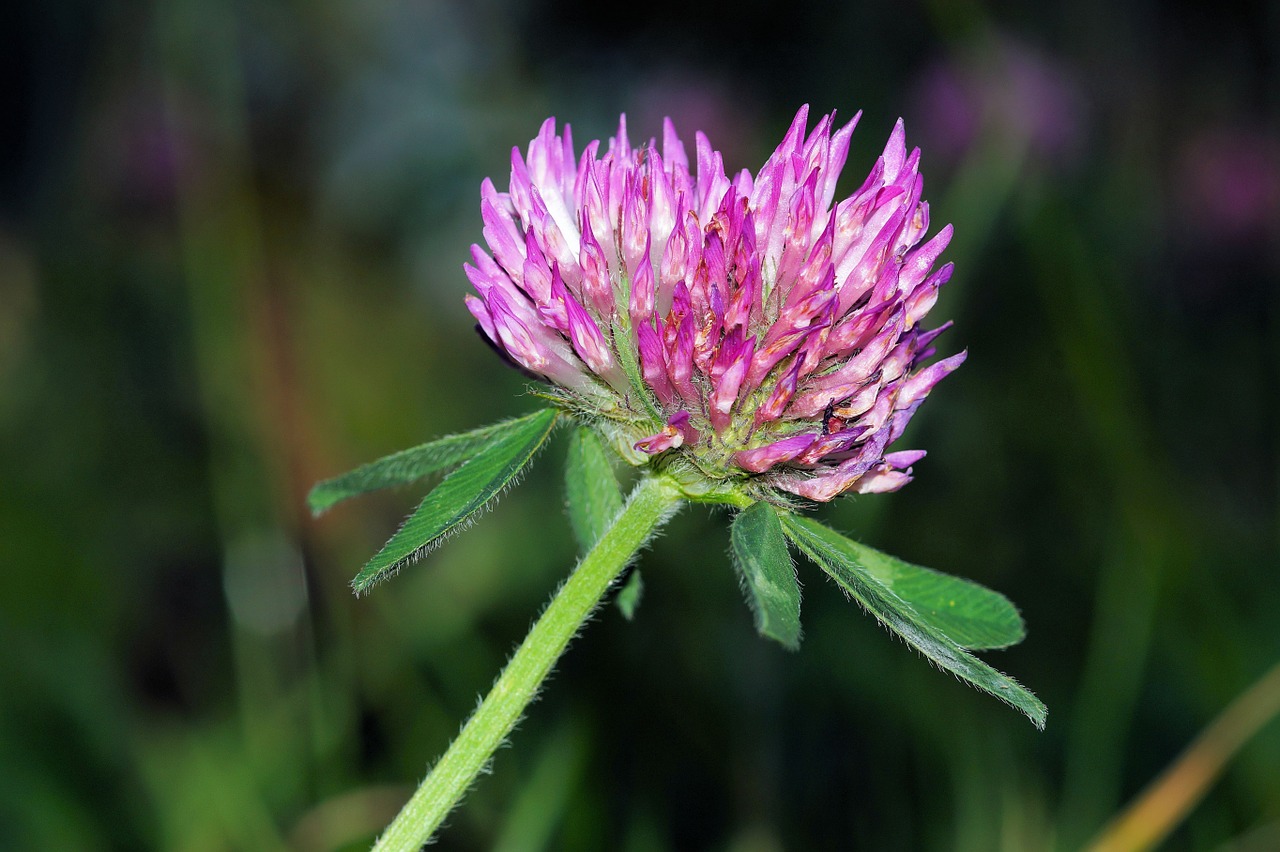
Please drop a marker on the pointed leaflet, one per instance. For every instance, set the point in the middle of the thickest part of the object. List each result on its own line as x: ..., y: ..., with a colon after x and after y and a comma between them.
x: 591, y: 488
x: 768, y: 577
x: 972, y: 616
x: 462, y: 493
x: 408, y: 465
x: 594, y: 501
x: 628, y: 597
x: 825, y: 547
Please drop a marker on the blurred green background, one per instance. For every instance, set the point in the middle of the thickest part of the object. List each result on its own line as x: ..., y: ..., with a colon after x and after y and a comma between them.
x: 231, y: 238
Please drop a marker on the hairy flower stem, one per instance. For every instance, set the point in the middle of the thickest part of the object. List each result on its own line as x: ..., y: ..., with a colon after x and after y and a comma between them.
x: 652, y: 502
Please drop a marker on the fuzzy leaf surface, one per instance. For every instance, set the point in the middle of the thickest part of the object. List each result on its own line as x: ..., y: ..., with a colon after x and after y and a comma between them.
x: 828, y: 550
x: 767, y: 573
x: 591, y: 488
x: 460, y: 495
x: 972, y: 616
x: 408, y: 465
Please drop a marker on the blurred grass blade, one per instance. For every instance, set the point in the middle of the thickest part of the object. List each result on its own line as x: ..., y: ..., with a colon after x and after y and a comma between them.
x: 462, y: 493
x: 592, y: 489
x: 541, y: 804
x: 408, y: 465
x: 827, y: 549
x: 972, y: 616
x: 767, y: 573
x: 1172, y: 796
x: 628, y: 597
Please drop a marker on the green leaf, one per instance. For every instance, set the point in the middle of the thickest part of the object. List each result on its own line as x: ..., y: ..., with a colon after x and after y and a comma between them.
x: 972, y: 616
x: 592, y: 489
x: 829, y: 551
x: 409, y: 465
x: 628, y: 597
x: 595, y: 500
x: 462, y: 493
x: 767, y: 573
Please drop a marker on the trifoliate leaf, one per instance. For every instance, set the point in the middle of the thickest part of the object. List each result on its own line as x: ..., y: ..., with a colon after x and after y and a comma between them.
x: 462, y: 493
x: 409, y: 465
x: 829, y: 551
x: 972, y: 616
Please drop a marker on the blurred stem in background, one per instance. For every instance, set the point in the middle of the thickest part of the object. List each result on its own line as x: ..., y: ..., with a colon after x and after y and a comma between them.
x: 554, y: 779
x: 1150, y: 539
x: 1173, y: 795
x: 243, y: 355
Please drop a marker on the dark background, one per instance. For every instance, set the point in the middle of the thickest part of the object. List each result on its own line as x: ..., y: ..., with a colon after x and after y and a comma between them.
x: 231, y: 238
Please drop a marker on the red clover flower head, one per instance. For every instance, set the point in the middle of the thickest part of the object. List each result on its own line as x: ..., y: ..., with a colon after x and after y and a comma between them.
x: 748, y: 332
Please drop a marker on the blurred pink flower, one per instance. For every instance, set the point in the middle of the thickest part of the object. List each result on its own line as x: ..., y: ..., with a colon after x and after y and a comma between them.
x: 1010, y: 89
x: 141, y: 149
x: 689, y: 97
x: 1228, y: 181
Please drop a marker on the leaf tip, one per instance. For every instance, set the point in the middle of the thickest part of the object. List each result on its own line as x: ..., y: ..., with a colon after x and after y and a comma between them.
x: 790, y: 643
x: 361, y: 584
x: 1039, y: 717
x: 317, y: 501
x: 628, y: 597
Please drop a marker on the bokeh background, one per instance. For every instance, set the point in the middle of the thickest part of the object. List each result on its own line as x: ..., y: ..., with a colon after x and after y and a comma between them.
x: 231, y: 238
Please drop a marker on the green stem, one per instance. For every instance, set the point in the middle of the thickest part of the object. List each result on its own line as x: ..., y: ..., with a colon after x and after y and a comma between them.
x: 651, y: 503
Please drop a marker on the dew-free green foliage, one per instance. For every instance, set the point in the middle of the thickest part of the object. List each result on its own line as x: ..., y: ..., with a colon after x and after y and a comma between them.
x: 972, y: 616
x: 628, y: 597
x: 461, y: 494
x: 831, y: 552
x: 409, y: 465
x: 590, y: 487
x: 767, y: 573
x: 594, y: 499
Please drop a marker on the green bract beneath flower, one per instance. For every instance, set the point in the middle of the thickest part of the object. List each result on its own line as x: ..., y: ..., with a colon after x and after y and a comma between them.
x: 747, y: 333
